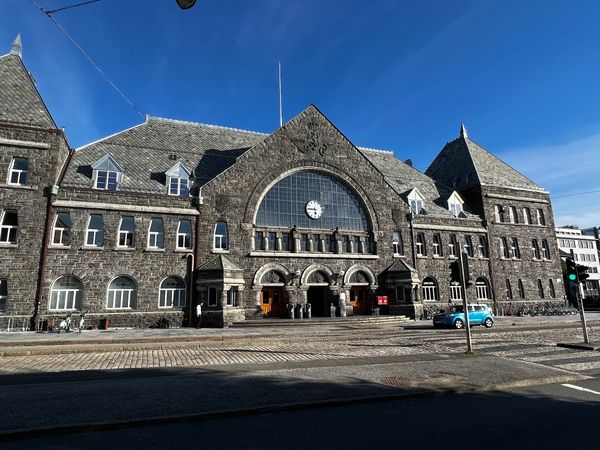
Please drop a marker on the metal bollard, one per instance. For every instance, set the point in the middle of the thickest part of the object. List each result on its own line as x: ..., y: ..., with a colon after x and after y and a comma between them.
x: 290, y: 311
x: 299, y: 311
x: 332, y: 310
x: 308, y: 310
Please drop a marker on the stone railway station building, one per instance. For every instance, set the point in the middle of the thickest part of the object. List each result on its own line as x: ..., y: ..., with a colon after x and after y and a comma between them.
x: 147, y: 223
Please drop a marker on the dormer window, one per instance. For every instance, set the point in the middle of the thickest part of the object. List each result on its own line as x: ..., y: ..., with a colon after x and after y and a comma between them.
x: 415, y: 201
x: 19, y: 171
x: 178, y: 180
x: 107, y: 174
x: 455, y: 204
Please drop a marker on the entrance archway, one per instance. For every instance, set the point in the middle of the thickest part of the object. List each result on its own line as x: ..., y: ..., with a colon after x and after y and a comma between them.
x: 271, y: 301
x: 358, y: 299
x: 318, y: 297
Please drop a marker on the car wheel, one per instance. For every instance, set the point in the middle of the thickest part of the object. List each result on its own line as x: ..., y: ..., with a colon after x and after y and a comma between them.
x: 488, y: 323
x: 459, y: 324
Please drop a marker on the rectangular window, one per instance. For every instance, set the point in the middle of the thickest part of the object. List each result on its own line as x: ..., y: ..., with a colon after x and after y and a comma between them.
x: 259, y: 240
x: 397, y: 244
x: 481, y: 290
x: 61, y: 234
x: 455, y: 292
x: 316, y: 243
x: 285, y: 242
x: 521, y: 289
x: 512, y: 215
x: 95, y: 231
x: 272, y: 237
x: 126, y: 232
x: 551, y: 288
x: 356, y: 244
x: 469, y: 246
x: 19, y: 171
x: 437, y: 245
x: 212, y: 296
x: 328, y: 243
x: 421, y: 244
x: 540, y: 288
x: 541, y: 220
x: 9, y: 224
x: 121, y: 299
x: 221, y: 237
x: 453, y: 246
x: 527, y: 216
x: 184, y: 235
x: 545, y: 249
x: 515, y: 251
x: 171, y: 298
x: 429, y: 291
x: 65, y: 299
x: 482, y: 248
x: 3, y: 293
x: 367, y: 243
x: 156, y: 234
x: 347, y: 244
x: 304, y: 242
x: 232, y: 296
x: 504, y: 251
x: 107, y: 180
x: 535, y: 249
x: 179, y: 186
x: 498, y: 214
x: 509, y: 293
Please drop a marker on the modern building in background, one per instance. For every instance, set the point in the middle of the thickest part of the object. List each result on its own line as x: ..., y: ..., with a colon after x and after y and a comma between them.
x: 144, y: 224
x: 585, y: 252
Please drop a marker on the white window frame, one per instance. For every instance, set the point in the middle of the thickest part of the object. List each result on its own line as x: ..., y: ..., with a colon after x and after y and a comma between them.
x: 184, y: 236
x: 70, y: 298
x: 482, y: 290
x: 421, y: 246
x: 218, y: 239
x: 172, y: 297
x: 3, y: 293
x: 469, y: 246
x: 125, y: 234
x: 437, y: 245
x: 482, y: 248
x: 396, y: 247
x: 429, y: 291
x: 512, y: 214
x: 455, y: 204
x: 453, y: 246
x: 415, y: 201
x: 18, y: 172
x: 153, y: 235
x: 9, y: 230
x: 526, y: 216
x: 535, y: 249
x: 109, y: 173
x: 515, y: 250
x: 94, y: 233
x: 541, y: 218
x: 455, y: 292
x: 124, y: 295
x: 180, y: 184
x: 61, y: 230
x: 498, y: 213
x: 545, y: 249
x: 233, y: 297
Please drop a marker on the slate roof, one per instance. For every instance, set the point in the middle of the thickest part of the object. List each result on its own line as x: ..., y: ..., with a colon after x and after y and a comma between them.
x: 20, y: 101
x: 150, y: 149
x: 463, y: 163
x: 221, y: 263
x: 404, y: 178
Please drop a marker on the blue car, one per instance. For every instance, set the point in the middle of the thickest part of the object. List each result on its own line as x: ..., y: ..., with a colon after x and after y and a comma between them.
x: 455, y: 317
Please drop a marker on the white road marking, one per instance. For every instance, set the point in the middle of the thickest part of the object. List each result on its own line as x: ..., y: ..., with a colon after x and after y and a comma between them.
x: 579, y: 388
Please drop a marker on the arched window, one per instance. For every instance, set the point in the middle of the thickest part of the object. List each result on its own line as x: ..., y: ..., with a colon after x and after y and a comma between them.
x: 66, y: 294
x: 221, y: 238
x: 482, y: 288
x: 122, y: 293
x: 430, y: 289
x: 312, y: 200
x: 172, y: 293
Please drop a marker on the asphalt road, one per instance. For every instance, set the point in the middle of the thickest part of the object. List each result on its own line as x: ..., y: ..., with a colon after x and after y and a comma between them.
x: 550, y: 417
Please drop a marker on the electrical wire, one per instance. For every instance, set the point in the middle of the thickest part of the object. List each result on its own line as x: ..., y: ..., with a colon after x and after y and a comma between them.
x: 71, y: 6
x: 100, y: 71
x: 576, y: 194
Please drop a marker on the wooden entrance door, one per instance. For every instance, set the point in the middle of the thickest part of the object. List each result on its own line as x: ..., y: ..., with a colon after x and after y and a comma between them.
x: 358, y: 299
x: 271, y: 301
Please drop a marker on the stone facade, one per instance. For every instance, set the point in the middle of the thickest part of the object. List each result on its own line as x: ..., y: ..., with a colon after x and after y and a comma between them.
x: 403, y: 252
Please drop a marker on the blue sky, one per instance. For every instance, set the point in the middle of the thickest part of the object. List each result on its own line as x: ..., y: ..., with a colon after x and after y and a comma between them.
x: 522, y: 75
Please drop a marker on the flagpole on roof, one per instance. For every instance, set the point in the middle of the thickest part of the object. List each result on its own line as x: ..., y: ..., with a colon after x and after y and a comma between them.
x: 280, y: 99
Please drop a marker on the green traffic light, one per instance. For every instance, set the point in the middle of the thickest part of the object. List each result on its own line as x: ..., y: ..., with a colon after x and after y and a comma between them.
x: 572, y: 277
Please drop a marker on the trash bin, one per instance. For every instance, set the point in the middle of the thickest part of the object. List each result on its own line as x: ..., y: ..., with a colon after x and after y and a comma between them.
x: 103, y: 325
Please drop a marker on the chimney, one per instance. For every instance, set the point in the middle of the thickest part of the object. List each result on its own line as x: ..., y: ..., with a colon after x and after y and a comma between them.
x: 408, y: 162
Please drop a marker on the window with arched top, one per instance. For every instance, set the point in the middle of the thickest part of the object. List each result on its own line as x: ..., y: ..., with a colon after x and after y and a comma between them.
x: 122, y: 293
x: 482, y: 289
x: 172, y: 293
x: 66, y: 294
x: 429, y: 289
x: 312, y: 200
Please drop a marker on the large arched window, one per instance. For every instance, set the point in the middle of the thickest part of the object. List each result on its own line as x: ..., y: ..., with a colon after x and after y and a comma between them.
x: 312, y: 200
x: 66, y: 294
x: 429, y: 289
x: 172, y: 293
x: 122, y: 293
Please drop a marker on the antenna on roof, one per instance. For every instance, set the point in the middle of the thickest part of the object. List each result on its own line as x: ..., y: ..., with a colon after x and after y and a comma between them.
x: 280, y: 99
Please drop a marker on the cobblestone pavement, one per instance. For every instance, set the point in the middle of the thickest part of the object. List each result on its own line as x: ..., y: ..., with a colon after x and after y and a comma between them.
x: 538, y: 346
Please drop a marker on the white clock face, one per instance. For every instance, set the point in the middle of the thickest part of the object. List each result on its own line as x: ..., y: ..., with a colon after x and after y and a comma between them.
x: 314, y: 209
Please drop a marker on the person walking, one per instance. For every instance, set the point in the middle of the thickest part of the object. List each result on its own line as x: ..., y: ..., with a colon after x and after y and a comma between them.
x: 199, y: 314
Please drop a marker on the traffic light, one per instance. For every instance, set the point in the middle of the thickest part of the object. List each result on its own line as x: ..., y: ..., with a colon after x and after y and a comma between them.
x: 467, y: 276
x: 582, y: 274
x: 571, y: 270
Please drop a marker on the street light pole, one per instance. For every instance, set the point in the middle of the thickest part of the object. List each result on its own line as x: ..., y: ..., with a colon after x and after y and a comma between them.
x: 463, y: 284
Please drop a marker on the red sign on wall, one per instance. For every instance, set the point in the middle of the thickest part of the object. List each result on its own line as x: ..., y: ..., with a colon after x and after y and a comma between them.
x: 382, y: 300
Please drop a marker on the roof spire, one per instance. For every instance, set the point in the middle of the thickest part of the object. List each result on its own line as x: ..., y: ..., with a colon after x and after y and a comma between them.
x: 463, y: 131
x: 17, y: 48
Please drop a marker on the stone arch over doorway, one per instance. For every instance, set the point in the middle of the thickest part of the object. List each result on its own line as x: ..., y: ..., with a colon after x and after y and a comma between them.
x: 270, y: 286
x: 362, y: 272
x: 359, y: 285
x: 264, y: 276
x: 312, y: 271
